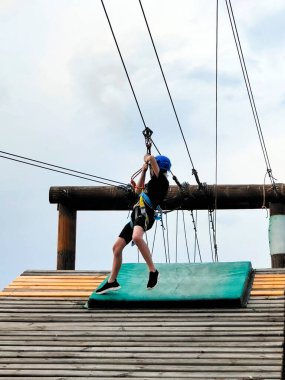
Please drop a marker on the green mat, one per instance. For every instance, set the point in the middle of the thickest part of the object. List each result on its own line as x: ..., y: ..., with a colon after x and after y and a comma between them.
x: 209, y: 284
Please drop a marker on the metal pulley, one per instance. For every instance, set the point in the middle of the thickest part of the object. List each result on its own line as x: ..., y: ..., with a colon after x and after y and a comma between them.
x: 147, y: 132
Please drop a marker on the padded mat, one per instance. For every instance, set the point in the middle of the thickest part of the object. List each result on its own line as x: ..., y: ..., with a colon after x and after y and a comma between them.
x: 180, y: 285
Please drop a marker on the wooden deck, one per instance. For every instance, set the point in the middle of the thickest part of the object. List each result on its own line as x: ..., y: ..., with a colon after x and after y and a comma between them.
x: 45, y: 333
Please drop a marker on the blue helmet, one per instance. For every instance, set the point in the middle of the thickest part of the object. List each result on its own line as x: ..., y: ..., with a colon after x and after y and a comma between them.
x: 163, y: 162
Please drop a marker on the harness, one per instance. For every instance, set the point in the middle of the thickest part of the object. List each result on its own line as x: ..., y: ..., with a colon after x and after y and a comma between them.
x: 145, y: 200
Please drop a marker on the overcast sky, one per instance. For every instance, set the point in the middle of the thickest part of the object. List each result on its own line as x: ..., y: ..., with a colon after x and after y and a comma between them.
x: 65, y: 99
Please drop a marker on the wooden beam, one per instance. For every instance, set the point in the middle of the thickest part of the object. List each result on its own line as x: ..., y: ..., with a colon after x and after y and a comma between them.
x: 118, y: 198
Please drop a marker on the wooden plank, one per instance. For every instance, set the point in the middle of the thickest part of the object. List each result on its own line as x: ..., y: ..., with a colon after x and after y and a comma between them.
x: 9, y: 347
x: 40, y: 293
x: 207, y: 373
x: 62, y: 317
x: 139, y: 367
x: 17, y: 357
x: 269, y: 293
x: 143, y: 361
x: 58, y: 277
x: 90, y: 288
x: 155, y: 347
x: 192, y: 376
x: 64, y: 272
x: 158, y: 324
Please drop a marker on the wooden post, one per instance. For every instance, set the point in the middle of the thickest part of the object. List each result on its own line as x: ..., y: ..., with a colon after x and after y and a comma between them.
x: 66, y: 238
x: 277, y: 235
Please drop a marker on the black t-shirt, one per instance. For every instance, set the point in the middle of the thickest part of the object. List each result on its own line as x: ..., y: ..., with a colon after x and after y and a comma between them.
x: 157, y: 189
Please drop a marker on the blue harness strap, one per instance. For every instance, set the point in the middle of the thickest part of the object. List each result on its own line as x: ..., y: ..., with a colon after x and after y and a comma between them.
x: 157, y: 211
x: 146, y: 198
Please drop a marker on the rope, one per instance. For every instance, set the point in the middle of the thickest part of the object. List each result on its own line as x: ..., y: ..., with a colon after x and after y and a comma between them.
x: 125, y: 68
x: 216, y: 135
x: 154, y: 236
x: 167, y: 237
x: 176, y: 236
x: 185, y: 235
x: 212, y: 242
x: 50, y: 166
x: 250, y: 93
x: 167, y: 258
x: 196, y: 245
x: 194, y: 171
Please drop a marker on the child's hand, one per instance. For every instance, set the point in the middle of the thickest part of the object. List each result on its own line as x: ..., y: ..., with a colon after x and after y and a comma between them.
x: 146, y: 158
x: 145, y: 167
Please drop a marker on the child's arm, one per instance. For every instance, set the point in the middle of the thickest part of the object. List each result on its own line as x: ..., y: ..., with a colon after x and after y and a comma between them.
x: 140, y: 185
x: 152, y: 161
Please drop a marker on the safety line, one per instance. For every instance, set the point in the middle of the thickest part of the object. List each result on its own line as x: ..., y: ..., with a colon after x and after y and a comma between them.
x: 167, y: 257
x: 154, y: 236
x: 176, y: 236
x: 249, y: 91
x: 194, y: 171
x: 216, y: 138
x: 60, y: 167
x: 185, y: 235
x: 167, y: 236
x: 212, y: 242
x: 55, y: 170
x: 196, y: 243
x: 125, y: 68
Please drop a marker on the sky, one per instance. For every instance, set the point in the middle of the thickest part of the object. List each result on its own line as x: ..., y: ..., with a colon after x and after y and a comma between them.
x: 65, y: 100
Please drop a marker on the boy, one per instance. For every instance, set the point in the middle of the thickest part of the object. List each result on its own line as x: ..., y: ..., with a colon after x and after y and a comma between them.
x: 142, y: 219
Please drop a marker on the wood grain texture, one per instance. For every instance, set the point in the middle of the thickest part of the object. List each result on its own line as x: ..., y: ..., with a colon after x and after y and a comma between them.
x: 46, y: 333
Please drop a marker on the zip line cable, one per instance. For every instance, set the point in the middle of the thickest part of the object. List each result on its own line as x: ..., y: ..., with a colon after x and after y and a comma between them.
x: 122, y: 60
x: 50, y: 166
x: 249, y: 92
x: 194, y: 171
x: 216, y: 139
x: 185, y: 236
x: 196, y: 244
x: 154, y: 236
x: 210, y: 234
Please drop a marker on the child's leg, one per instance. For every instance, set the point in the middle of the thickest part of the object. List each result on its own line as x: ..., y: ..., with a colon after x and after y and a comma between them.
x: 142, y: 246
x: 118, y: 247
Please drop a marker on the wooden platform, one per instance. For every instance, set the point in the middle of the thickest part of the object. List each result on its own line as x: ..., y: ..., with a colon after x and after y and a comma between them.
x: 46, y: 333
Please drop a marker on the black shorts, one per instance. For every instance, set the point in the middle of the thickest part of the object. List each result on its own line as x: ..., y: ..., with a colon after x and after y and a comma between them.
x: 137, y: 220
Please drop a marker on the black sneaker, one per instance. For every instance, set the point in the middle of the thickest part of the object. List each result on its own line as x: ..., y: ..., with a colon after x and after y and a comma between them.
x: 108, y: 287
x: 153, y: 279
